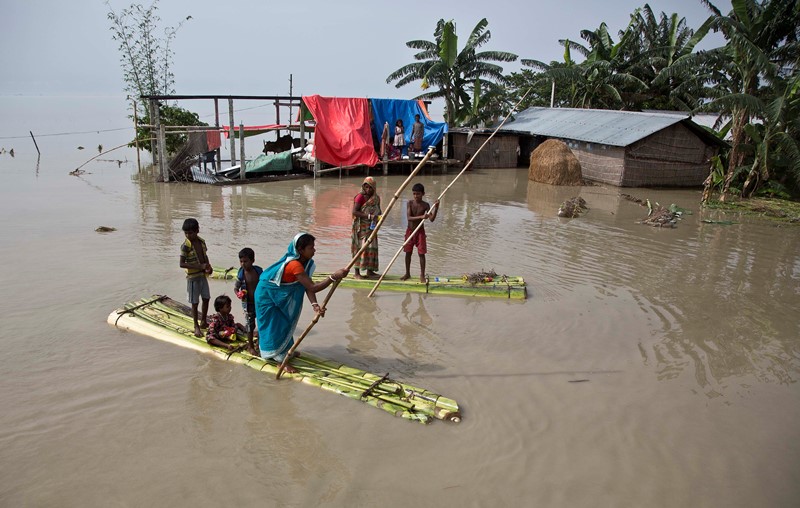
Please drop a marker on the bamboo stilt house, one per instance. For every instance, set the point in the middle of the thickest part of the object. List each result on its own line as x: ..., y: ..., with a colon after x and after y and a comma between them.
x: 501, y: 152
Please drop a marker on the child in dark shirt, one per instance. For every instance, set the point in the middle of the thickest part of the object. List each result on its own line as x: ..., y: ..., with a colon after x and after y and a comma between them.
x: 245, y: 287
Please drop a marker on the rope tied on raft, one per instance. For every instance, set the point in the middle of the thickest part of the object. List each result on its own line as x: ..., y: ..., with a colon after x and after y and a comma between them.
x: 374, y: 385
x: 130, y: 311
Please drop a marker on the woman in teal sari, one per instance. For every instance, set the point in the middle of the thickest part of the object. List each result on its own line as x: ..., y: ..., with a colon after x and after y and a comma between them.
x: 279, y: 297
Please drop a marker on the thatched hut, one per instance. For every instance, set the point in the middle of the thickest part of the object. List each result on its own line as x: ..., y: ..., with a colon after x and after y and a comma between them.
x: 624, y: 148
x: 554, y: 163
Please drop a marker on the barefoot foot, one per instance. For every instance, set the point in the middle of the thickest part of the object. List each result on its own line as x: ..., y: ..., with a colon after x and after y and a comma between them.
x: 197, y: 331
x: 405, y: 277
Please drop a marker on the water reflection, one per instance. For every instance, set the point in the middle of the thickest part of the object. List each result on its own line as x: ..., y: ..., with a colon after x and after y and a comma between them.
x: 363, y: 324
x: 238, y: 421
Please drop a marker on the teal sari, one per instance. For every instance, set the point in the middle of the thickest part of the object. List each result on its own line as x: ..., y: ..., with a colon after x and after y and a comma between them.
x: 278, y: 305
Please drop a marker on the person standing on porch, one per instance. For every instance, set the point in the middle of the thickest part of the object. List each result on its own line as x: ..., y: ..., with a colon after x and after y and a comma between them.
x: 399, y: 136
x: 417, y: 133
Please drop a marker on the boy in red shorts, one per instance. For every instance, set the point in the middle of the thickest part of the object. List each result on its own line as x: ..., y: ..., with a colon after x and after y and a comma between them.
x: 416, y: 211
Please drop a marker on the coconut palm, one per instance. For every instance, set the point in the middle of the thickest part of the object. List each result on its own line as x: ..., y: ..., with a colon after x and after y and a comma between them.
x: 452, y: 74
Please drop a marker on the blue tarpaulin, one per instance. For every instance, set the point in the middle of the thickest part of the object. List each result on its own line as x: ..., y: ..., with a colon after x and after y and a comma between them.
x: 391, y: 110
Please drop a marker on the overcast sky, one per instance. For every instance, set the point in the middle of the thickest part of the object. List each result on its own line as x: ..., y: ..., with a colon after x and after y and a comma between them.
x: 331, y: 47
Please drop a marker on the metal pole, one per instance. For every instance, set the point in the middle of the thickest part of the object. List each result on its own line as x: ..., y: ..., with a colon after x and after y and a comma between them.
x: 552, y: 93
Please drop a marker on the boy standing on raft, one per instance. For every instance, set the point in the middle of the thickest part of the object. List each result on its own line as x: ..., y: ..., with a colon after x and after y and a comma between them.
x: 245, y: 288
x: 194, y: 259
x: 416, y: 211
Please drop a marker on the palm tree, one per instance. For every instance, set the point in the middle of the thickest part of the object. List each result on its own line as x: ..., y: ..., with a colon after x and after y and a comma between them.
x: 762, y: 45
x: 454, y: 75
x: 601, y: 80
x: 657, y: 53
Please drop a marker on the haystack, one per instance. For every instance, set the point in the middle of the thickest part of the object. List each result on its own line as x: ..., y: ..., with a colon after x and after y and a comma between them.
x: 554, y: 163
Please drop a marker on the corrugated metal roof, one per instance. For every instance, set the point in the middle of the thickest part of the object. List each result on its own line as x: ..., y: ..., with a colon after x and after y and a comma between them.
x: 614, y: 128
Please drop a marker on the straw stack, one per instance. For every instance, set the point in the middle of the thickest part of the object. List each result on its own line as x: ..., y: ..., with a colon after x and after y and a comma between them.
x: 554, y: 163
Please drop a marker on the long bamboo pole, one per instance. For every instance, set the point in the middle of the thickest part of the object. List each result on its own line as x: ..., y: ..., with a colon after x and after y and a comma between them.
x: 368, y: 241
x: 422, y: 222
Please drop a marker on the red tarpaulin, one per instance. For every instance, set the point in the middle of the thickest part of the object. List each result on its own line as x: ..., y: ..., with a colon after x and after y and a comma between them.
x: 343, y: 136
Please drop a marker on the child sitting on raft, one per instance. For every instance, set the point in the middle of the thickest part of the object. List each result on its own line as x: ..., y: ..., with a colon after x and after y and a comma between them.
x: 223, y: 328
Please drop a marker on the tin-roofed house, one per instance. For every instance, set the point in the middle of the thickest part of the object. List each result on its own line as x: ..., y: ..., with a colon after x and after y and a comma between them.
x: 624, y: 148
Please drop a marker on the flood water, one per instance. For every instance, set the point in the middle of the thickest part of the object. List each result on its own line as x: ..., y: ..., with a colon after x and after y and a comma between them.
x: 648, y: 367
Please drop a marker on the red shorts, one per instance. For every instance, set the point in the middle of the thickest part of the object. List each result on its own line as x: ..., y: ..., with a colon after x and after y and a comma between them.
x: 419, y: 240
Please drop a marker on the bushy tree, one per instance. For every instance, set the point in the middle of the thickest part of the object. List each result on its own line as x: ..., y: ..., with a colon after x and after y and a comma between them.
x: 146, y: 60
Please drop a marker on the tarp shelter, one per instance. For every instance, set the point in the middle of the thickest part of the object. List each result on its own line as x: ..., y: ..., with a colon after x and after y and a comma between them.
x: 347, y: 129
x: 269, y: 163
x: 391, y: 110
x: 342, y: 133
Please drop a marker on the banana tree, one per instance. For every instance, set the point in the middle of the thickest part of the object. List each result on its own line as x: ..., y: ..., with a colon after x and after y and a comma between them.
x: 450, y: 74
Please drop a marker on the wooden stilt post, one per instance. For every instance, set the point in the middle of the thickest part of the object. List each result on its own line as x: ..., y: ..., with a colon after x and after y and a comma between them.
x: 218, y: 156
x: 162, y: 152
x: 232, y: 132
x: 136, y: 138
x: 153, y: 135
x: 241, y: 148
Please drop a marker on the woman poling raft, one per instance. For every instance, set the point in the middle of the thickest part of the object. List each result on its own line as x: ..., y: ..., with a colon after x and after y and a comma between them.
x: 279, y: 297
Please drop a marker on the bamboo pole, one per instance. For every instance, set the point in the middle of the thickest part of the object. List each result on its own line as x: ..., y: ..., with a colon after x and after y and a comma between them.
x: 75, y: 171
x: 368, y: 241
x: 422, y: 222
x: 35, y: 143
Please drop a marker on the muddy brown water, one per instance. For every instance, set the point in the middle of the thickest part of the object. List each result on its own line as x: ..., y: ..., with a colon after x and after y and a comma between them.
x: 647, y: 367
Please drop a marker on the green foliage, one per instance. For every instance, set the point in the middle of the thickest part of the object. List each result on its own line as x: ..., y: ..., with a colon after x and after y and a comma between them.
x: 145, y: 56
x: 458, y: 77
x: 170, y: 115
x: 756, y: 71
x: 752, y: 81
x: 602, y: 80
x: 146, y: 60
